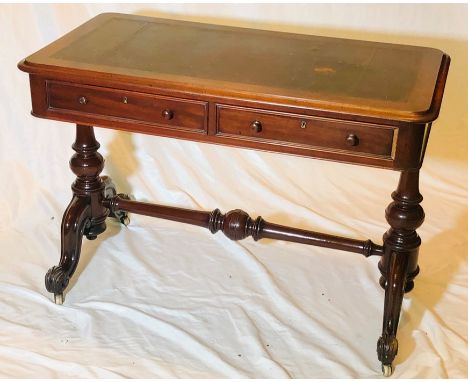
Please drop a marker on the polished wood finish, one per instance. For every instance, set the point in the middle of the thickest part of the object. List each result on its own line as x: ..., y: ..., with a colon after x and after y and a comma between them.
x: 399, y: 264
x: 238, y: 225
x: 311, y: 71
x: 284, y: 128
x: 285, y: 75
x: 350, y: 101
x: 172, y: 113
x: 85, y: 215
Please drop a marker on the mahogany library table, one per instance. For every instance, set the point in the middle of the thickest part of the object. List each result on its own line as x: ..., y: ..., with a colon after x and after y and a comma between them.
x: 359, y: 102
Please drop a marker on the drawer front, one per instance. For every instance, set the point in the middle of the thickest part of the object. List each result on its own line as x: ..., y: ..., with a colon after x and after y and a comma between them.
x: 175, y: 113
x: 304, y: 131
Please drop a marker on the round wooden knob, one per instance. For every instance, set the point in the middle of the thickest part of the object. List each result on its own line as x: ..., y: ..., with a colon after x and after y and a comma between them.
x: 168, y: 114
x: 82, y: 100
x: 352, y: 140
x: 256, y: 126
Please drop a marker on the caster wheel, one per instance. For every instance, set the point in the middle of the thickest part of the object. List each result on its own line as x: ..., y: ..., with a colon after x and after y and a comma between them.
x: 387, y: 370
x: 122, y: 216
x: 58, y: 298
x: 125, y: 220
x: 109, y: 192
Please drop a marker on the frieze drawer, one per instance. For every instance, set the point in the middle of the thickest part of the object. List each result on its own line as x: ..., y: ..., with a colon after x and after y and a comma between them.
x: 109, y: 103
x: 305, y: 131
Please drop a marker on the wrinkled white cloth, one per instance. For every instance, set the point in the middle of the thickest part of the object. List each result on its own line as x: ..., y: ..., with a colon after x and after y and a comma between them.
x: 162, y: 299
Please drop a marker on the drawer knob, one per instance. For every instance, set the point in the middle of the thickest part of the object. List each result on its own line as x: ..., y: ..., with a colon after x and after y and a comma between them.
x: 82, y: 100
x: 352, y: 140
x: 168, y: 114
x: 256, y: 126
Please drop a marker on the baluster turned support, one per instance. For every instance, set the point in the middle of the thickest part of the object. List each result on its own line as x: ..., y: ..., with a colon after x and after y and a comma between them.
x: 399, y: 263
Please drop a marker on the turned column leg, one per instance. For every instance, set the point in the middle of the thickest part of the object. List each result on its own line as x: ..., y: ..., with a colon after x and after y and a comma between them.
x: 399, y: 263
x: 85, y: 214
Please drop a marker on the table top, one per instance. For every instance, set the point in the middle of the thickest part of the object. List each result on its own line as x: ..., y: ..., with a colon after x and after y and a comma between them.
x: 396, y: 82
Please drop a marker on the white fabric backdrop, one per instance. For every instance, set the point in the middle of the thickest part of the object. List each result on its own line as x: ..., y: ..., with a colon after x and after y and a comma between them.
x: 160, y: 299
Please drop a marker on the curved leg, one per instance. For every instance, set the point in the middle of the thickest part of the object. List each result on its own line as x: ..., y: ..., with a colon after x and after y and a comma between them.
x: 399, y: 262
x: 85, y: 214
x: 387, y: 346
x: 75, y: 220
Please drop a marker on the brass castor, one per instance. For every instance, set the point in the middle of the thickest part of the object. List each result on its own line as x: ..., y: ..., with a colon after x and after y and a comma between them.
x: 58, y: 298
x: 121, y: 216
x: 387, y: 370
x: 110, y: 192
x: 125, y: 220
